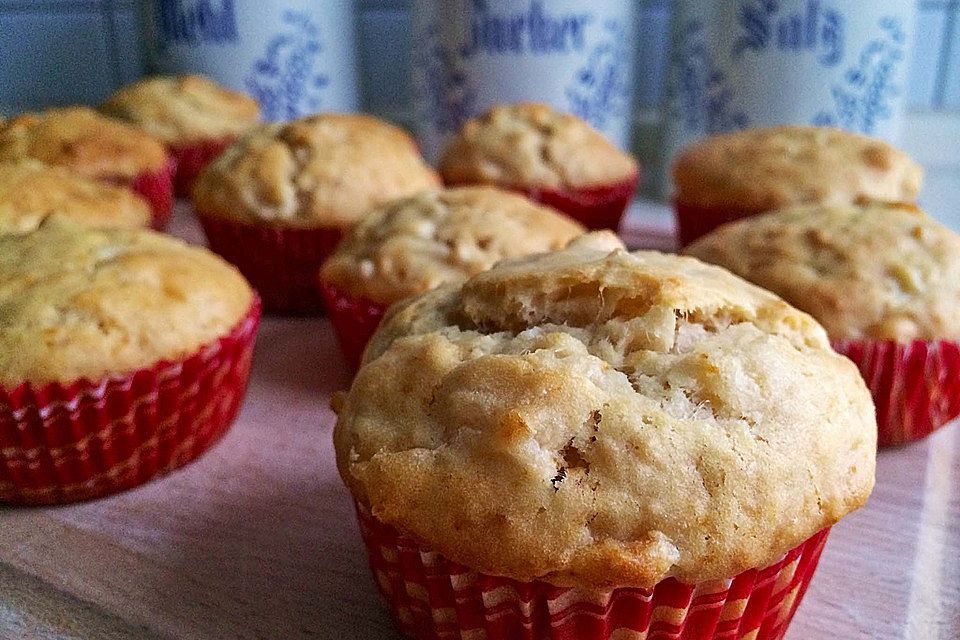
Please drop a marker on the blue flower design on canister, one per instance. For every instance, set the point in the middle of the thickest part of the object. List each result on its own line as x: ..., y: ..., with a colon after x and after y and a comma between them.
x: 697, y: 94
x: 865, y: 97
x: 601, y: 90
x: 284, y: 78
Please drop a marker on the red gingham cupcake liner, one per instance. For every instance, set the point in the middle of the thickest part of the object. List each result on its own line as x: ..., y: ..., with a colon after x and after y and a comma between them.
x: 915, y: 385
x: 61, y: 443
x: 157, y: 188
x: 192, y: 158
x: 695, y: 221
x: 280, y: 262
x: 432, y: 598
x: 354, y: 320
x: 595, y: 207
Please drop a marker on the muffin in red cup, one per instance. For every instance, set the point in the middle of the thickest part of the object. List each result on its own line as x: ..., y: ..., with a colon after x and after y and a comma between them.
x: 277, y: 202
x: 554, y: 158
x: 597, y: 444
x: 124, y: 354
x: 94, y: 146
x: 883, y: 279
x: 735, y: 175
x: 194, y: 116
x: 415, y: 244
x: 31, y: 191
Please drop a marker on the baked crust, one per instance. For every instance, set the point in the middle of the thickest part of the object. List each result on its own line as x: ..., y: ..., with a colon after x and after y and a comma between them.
x: 30, y: 192
x: 325, y: 170
x: 880, y: 271
x: 81, y: 140
x: 595, y: 417
x: 82, y: 302
x: 768, y: 168
x: 184, y: 109
x: 531, y: 145
x: 415, y: 244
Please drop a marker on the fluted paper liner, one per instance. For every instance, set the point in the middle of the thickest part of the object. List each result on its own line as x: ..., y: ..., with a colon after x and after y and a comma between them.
x: 354, y: 320
x: 915, y: 385
x: 280, y: 262
x: 191, y: 158
x: 430, y: 597
x: 62, y: 443
x: 156, y: 187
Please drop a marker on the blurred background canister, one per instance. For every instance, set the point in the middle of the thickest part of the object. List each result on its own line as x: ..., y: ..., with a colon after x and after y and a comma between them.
x: 294, y: 56
x: 471, y: 54
x: 751, y: 63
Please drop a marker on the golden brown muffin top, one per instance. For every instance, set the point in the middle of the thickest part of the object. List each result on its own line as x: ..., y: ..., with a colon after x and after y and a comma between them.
x: 531, y: 145
x: 768, y: 168
x: 598, y: 417
x: 415, y: 244
x: 83, y: 141
x: 879, y: 271
x: 184, y: 109
x: 325, y: 170
x: 31, y: 191
x: 81, y: 302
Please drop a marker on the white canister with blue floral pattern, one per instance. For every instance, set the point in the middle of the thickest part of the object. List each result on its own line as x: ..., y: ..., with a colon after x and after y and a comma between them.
x: 743, y: 63
x: 471, y: 54
x: 295, y: 56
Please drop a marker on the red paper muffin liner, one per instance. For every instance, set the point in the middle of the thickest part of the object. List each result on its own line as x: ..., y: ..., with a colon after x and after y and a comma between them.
x: 86, y: 439
x: 695, y: 221
x: 594, y: 207
x: 354, y: 320
x: 157, y: 188
x: 915, y: 385
x: 280, y: 262
x: 430, y: 597
x: 192, y: 158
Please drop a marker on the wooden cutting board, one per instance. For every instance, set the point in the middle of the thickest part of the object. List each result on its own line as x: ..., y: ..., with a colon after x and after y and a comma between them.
x: 257, y: 539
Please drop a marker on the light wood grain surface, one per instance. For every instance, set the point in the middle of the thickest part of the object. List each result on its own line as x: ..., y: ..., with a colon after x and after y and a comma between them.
x: 257, y: 539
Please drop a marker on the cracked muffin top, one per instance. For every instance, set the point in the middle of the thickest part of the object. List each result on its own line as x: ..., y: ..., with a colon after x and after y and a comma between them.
x: 81, y: 302
x: 597, y: 417
x: 880, y: 271
x: 773, y: 167
x: 184, y: 109
x: 31, y: 191
x: 82, y: 140
x: 439, y: 237
x: 531, y: 145
x: 325, y: 170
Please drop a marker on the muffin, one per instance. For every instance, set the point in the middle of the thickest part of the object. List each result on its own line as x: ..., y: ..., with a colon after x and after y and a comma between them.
x: 554, y: 158
x: 276, y: 202
x: 595, y: 444
x: 735, y: 175
x: 883, y: 279
x: 124, y: 354
x: 30, y: 192
x: 94, y: 146
x: 194, y: 116
x: 415, y: 244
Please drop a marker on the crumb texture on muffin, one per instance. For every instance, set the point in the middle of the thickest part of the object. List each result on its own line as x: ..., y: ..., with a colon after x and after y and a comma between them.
x: 323, y: 170
x: 30, y: 192
x: 82, y: 140
x: 879, y: 271
x: 415, y: 244
x: 596, y: 417
x: 531, y: 145
x: 768, y: 168
x: 81, y: 302
x: 184, y: 109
